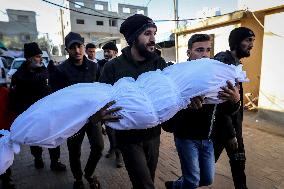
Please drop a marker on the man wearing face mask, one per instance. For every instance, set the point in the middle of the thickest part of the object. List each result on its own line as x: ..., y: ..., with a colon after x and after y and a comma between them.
x: 29, y: 84
x: 228, y: 132
x: 140, y: 148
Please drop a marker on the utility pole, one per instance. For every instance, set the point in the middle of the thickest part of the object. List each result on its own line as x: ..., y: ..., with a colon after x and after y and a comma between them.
x: 62, y: 25
x: 176, y: 27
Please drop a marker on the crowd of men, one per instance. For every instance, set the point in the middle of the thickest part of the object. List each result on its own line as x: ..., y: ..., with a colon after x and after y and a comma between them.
x: 201, y: 131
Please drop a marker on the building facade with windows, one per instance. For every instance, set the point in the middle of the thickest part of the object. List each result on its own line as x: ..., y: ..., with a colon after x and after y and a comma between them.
x: 94, y: 28
x: 20, y: 28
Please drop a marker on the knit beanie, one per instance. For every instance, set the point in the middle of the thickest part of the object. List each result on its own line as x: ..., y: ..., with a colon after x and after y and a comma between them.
x: 110, y: 46
x: 237, y: 35
x: 134, y: 25
x: 31, y: 49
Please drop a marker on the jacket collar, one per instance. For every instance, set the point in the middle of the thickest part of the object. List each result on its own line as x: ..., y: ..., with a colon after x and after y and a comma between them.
x: 236, y: 60
x: 126, y: 52
x: 83, y: 65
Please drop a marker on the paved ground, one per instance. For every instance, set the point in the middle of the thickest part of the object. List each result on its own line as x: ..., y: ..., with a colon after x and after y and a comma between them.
x: 264, y: 143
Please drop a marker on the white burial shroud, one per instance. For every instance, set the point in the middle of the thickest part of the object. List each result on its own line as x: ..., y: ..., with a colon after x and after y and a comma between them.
x: 153, y: 98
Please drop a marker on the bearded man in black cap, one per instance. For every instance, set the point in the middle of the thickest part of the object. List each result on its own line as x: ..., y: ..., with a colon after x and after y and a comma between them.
x: 110, y: 52
x: 140, y: 148
x: 228, y: 130
x: 30, y: 84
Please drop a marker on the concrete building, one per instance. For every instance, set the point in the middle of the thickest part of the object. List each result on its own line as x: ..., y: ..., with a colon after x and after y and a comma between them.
x: 264, y: 66
x: 21, y: 26
x: 96, y: 28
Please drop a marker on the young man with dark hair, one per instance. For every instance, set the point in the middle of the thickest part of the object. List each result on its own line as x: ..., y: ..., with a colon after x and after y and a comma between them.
x: 29, y: 84
x: 78, y: 69
x: 91, y: 52
x: 193, y: 126
x: 199, y: 46
x: 228, y: 133
x: 140, y: 148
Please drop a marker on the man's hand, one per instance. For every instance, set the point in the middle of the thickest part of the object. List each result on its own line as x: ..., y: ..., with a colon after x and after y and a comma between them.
x: 196, y: 102
x: 230, y: 92
x: 105, y: 114
x: 233, y: 143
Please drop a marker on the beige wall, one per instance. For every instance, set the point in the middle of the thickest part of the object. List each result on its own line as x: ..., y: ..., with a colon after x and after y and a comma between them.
x: 265, y: 65
x: 221, y: 36
x: 169, y: 54
x: 252, y: 65
x: 254, y: 5
x: 271, y: 96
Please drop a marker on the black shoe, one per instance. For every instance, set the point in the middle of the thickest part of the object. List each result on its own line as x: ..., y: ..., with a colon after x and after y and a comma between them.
x: 39, y: 163
x: 169, y: 184
x: 78, y: 184
x: 57, y: 166
x: 119, y: 161
x: 8, y: 184
x: 93, y: 182
x: 109, y: 154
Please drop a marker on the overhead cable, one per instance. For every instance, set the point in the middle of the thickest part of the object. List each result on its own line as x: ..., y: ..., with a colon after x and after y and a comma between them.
x: 104, y: 16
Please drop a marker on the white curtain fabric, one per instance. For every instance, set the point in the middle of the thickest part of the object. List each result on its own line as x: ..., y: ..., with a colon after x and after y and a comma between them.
x: 153, y: 98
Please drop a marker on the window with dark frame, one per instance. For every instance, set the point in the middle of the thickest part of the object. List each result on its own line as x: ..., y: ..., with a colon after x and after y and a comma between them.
x: 80, y: 21
x: 113, y: 22
x: 100, y: 23
x: 23, y: 18
x: 28, y: 37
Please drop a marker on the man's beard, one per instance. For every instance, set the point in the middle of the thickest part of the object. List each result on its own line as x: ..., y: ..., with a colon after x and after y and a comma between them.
x: 108, y: 57
x: 35, y: 65
x: 241, y: 53
x: 142, y: 50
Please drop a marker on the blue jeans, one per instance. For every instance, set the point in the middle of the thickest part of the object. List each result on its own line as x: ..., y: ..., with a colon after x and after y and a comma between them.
x: 197, y: 163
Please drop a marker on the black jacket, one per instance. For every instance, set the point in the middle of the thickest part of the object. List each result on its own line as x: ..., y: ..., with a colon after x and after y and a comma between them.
x: 193, y: 124
x: 27, y: 87
x: 67, y: 73
x: 125, y: 66
x: 198, y: 124
x: 229, y: 125
x: 101, y: 64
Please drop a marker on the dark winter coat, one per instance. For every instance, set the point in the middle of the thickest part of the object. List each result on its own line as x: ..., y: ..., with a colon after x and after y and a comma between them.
x: 101, y: 64
x: 125, y: 66
x: 27, y: 87
x: 229, y: 126
x: 67, y: 73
